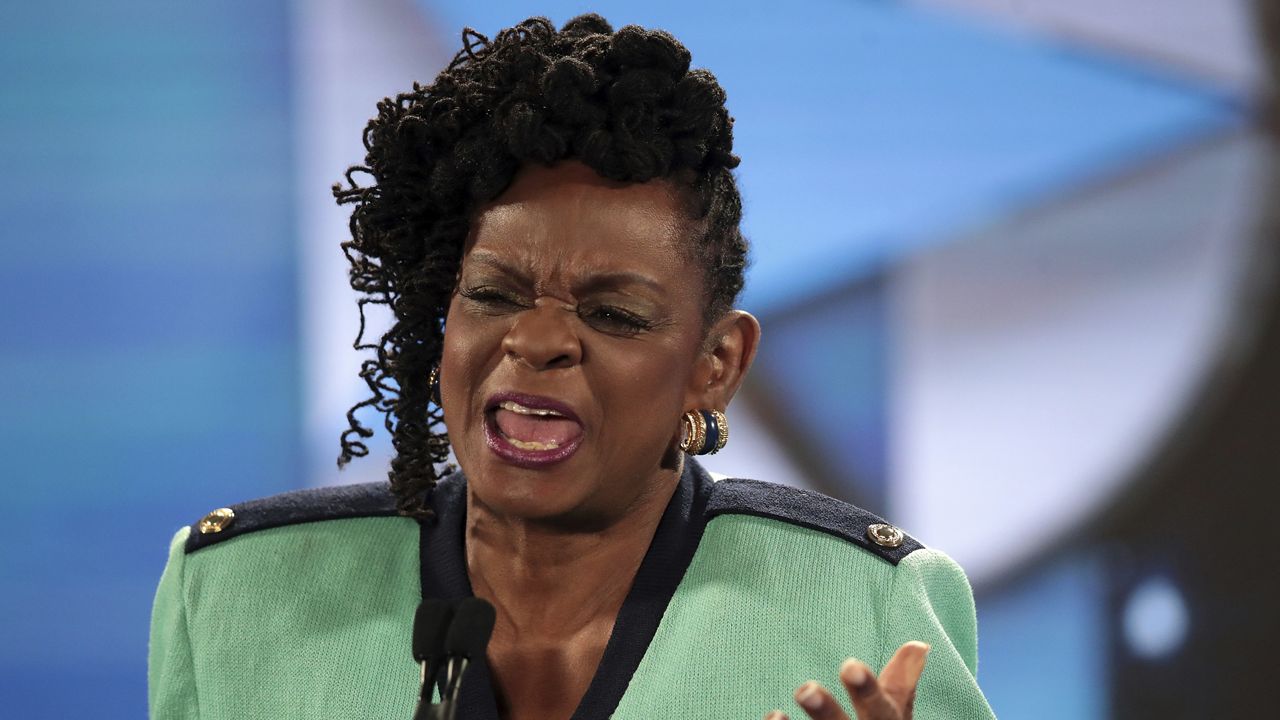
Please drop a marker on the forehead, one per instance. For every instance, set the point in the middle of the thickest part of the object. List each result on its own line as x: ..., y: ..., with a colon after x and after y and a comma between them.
x: 566, y: 218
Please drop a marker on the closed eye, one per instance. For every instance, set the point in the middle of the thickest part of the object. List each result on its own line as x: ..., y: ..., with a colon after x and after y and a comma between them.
x: 614, y: 320
x: 493, y: 298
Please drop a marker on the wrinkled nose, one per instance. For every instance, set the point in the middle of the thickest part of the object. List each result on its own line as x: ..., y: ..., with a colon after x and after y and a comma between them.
x: 544, y: 337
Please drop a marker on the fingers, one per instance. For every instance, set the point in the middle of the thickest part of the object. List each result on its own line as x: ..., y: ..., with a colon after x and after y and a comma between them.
x: 870, y: 701
x: 818, y: 703
x: 901, y: 674
x: 892, y: 695
x: 889, y: 697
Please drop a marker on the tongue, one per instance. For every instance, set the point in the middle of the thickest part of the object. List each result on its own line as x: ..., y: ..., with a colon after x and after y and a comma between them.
x: 536, y: 428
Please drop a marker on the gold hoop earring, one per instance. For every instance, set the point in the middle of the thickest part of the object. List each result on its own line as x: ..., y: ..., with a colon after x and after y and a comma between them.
x: 703, y: 432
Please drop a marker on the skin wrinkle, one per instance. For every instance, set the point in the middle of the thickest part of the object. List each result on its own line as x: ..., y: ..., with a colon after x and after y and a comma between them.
x: 635, y: 224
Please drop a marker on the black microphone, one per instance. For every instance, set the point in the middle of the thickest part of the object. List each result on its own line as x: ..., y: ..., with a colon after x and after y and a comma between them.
x: 430, y: 627
x: 466, y: 640
x: 471, y: 628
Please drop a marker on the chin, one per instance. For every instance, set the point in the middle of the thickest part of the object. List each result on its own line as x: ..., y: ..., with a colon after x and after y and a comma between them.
x: 537, y: 495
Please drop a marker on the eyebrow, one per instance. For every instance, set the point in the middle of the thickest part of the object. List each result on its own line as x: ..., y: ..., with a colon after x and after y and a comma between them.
x: 609, y: 280
x: 617, y: 280
x: 487, y: 258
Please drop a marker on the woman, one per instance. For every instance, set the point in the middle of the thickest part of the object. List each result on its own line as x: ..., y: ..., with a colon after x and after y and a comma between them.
x: 555, y: 225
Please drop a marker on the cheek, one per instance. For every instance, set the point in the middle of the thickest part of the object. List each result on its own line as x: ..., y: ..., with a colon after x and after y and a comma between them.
x: 464, y: 357
x: 650, y: 387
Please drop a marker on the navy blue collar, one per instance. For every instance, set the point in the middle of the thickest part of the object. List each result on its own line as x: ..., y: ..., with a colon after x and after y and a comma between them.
x: 443, y: 568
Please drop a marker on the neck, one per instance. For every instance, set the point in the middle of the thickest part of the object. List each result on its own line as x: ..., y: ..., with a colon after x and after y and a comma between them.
x: 548, y: 579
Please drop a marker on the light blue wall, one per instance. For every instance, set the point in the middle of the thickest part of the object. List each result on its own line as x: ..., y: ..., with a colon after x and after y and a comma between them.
x: 147, y: 343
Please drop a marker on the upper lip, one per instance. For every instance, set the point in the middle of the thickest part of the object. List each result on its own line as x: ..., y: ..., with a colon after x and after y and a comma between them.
x: 533, y: 402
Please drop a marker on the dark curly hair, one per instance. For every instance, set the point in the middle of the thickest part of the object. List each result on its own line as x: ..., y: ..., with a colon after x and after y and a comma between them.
x: 626, y: 104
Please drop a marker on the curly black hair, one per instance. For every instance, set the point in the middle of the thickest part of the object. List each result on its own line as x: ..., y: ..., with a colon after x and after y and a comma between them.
x: 626, y: 104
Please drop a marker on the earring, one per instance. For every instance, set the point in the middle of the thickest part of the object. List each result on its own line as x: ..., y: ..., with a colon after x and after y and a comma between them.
x: 703, y: 432
x: 433, y: 382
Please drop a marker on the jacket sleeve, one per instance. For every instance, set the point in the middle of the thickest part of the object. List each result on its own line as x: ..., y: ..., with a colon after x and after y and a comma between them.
x: 171, y: 682
x: 931, y: 601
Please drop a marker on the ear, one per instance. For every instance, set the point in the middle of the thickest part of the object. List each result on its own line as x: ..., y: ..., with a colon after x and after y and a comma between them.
x: 726, y: 357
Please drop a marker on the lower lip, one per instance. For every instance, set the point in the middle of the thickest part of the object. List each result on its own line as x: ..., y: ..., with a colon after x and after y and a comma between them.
x: 522, y: 457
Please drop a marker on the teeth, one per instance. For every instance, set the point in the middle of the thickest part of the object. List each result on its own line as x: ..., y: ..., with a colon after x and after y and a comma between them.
x: 529, y: 445
x: 522, y: 410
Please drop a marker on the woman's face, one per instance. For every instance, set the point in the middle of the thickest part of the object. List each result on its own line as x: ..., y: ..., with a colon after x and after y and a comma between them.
x: 573, y: 343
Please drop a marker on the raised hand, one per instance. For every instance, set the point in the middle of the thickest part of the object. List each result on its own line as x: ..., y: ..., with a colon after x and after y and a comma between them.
x: 888, y: 697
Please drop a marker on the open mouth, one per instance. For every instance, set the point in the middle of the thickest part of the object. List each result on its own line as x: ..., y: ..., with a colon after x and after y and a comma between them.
x: 531, y: 431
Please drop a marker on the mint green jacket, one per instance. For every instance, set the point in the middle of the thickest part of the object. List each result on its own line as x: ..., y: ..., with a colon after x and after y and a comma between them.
x: 302, y: 606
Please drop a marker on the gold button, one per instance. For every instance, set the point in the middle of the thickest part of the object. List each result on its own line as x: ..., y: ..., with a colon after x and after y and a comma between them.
x: 885, y: 535
x: 216, y: 521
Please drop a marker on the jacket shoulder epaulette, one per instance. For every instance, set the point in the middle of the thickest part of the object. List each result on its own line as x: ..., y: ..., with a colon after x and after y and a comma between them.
x: 814, y: 511
x: 372, y: 499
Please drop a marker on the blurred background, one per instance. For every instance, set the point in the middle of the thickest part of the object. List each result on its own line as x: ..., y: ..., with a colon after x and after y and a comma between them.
x: 1016, y: 263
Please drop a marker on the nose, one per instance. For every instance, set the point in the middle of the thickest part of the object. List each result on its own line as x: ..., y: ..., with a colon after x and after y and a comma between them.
x: 544, y: 337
